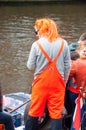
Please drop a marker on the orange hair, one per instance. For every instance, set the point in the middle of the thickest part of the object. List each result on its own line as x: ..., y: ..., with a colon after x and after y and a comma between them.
x: 47, y: 28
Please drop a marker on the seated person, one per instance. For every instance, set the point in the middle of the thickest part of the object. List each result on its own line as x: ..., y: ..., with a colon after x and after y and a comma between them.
x: 5, y: 118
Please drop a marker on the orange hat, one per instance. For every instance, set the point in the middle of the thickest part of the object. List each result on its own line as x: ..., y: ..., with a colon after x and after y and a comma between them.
x: 47, y: 28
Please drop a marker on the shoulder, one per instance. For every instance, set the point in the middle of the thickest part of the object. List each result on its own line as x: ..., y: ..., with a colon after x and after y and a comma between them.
x: 42, y: 40
x: 34, y: 46
x: 65, y: 43
x: 66, y: 47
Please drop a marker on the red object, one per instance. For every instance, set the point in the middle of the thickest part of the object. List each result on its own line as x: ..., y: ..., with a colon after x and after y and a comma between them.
x: 77, y: 117
x: 1, y: 126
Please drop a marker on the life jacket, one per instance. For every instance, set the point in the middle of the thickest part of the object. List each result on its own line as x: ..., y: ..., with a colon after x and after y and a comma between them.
x: 49, y: 76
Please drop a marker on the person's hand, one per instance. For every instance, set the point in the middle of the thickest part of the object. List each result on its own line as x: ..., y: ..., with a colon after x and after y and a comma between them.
x: 83, y: 92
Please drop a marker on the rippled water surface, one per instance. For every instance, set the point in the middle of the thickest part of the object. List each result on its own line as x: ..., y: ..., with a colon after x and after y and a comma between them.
x: 17, y: 35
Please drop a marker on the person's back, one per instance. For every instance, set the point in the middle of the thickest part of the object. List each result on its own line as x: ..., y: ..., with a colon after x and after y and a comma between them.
x: 52, y: 50
x: 47, y: 31
x: 52, y: 93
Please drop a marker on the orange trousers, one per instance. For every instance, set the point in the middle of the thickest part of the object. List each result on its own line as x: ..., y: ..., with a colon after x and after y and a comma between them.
x: 50, y: 96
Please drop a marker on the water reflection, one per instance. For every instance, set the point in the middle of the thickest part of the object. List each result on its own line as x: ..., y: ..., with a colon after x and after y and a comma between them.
x: 17, y: 35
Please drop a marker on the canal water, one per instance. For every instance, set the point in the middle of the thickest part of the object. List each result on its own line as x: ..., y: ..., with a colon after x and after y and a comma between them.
x: 17, y: 35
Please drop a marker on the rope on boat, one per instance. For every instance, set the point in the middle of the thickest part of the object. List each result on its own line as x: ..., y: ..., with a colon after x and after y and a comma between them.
x: 20, y: 106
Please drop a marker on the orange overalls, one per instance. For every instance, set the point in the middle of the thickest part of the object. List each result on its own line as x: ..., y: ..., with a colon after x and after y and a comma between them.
x: 48, y: 89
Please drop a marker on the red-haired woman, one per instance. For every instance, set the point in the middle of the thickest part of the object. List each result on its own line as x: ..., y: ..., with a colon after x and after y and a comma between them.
x: 45, y: 91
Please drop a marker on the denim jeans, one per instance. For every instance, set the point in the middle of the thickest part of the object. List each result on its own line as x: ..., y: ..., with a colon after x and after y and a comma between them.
x: 6, y: 119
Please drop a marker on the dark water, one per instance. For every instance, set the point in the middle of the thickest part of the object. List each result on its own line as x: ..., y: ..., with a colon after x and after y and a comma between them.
x: 17, y: 35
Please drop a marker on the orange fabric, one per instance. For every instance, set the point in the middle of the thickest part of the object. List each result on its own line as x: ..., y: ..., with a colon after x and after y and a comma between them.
x: 75, y: 90
x: 73, y: 86
x: 48, y: 88
x: 78, y: 71
x: 1, y: 126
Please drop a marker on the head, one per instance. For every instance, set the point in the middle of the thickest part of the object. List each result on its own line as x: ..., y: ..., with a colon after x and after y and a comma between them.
x: 45, y: 27
x: 82, y: 39
x: 82, y: 52
x: 74, y: 55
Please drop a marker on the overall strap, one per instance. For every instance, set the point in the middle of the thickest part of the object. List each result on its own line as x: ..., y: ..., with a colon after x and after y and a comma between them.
x: 61, y: 48
x: 46, y: 55
x: 44, y: 52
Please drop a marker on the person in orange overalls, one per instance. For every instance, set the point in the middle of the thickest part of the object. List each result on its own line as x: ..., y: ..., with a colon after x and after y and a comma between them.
x: 50, y: 59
